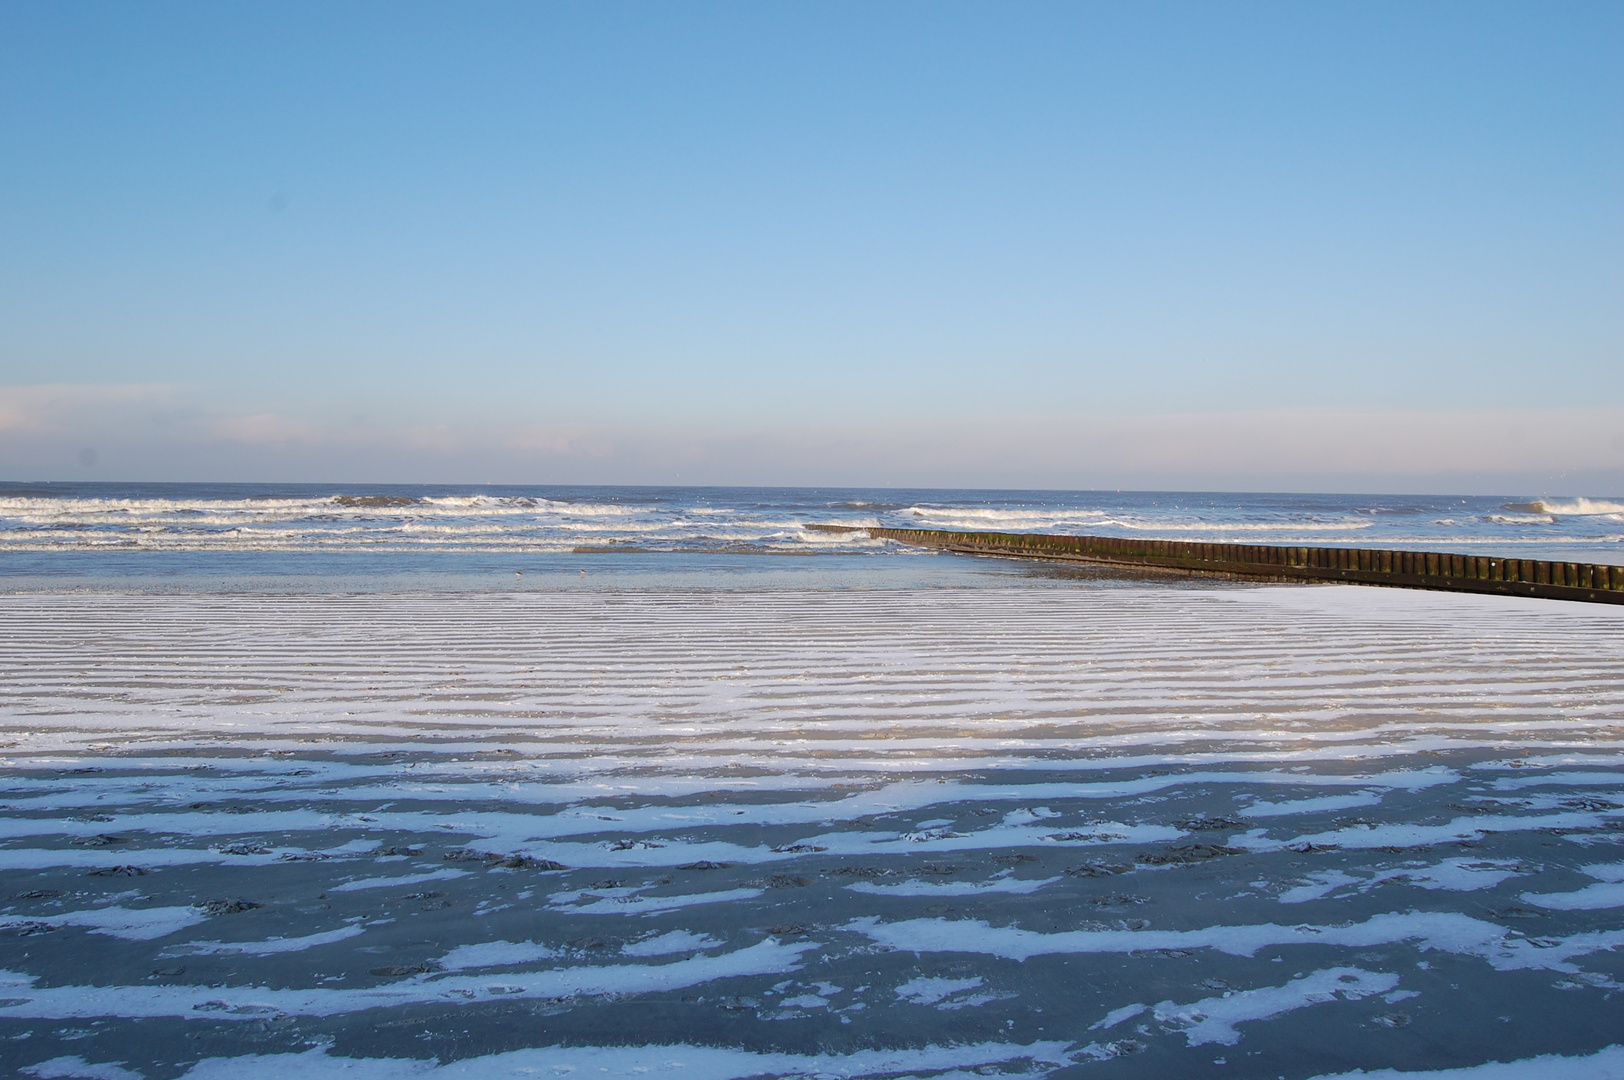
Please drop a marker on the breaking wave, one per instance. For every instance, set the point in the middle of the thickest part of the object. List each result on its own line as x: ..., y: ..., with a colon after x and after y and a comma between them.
x: 263, y: 518
x: 1570, y: 507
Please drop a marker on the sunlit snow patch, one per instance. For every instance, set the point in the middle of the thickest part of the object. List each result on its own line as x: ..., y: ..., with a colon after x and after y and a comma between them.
x: 1608, y: 892
x: 687, y: 1062
x: 262, y: 948
x: 77, y: 1068
x: 675, y: 941
x: 1213, y: 1020
x: 1604, y: 1064
x: 928, y: 991
x: 409, y: 879
x: 139, y: 924
x: 487, y: 954
x: 1456, y: 875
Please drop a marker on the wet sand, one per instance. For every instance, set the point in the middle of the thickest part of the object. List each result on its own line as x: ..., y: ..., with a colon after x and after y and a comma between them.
x: 1115, y: 831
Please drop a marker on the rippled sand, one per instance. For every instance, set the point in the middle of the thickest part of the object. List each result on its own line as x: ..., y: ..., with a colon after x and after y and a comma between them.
x: 1132, y: 830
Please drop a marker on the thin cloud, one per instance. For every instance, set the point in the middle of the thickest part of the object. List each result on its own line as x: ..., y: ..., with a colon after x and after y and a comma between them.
x: 162, y: 432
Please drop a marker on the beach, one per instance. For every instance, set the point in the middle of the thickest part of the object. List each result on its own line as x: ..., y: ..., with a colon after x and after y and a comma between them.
x: 811, y: 542
x: 1112, y: 827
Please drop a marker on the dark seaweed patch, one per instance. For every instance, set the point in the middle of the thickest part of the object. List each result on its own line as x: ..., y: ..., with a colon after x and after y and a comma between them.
x: 1186, y: 853
x: 227, y: 907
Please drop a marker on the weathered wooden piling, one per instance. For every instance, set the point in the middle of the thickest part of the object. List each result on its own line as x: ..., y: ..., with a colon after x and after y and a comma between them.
x: 1589, y: 582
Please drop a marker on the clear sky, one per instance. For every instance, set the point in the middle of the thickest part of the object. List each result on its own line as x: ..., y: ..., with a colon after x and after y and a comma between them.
x: 1148, y: 244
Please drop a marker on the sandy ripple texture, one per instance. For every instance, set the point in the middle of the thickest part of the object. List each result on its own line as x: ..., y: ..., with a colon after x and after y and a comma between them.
x: 1120, y: 830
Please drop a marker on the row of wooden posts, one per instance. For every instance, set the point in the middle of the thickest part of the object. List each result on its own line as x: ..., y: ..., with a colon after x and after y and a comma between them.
x: 1367, y: 566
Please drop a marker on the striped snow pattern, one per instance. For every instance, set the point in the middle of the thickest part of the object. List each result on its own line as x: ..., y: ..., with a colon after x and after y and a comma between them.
x: 857, y: 833
x: 795, y: 680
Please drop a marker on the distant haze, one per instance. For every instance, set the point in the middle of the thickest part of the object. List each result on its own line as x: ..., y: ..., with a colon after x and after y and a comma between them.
x: 1336, y: 247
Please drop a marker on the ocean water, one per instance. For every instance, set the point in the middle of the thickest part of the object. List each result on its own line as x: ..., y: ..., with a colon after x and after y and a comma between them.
x: 282, y: 537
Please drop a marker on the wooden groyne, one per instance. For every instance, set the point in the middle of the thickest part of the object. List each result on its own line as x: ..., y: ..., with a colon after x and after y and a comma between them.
x: 1588, y: 582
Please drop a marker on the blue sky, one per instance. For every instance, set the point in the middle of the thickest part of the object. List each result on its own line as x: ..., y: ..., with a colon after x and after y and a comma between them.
x: 814, y: 243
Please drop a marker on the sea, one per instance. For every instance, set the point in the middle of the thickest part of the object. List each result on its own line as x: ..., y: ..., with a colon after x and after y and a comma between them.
x: 389, y: 537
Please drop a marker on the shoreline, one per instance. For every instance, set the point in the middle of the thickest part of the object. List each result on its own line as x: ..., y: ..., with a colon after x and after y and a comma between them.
x: 1594, y: 583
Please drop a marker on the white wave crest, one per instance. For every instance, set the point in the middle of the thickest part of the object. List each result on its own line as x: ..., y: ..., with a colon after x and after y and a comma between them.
x: 1577, y: 507
x: 1244, y: 526
x: 984, y: 517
